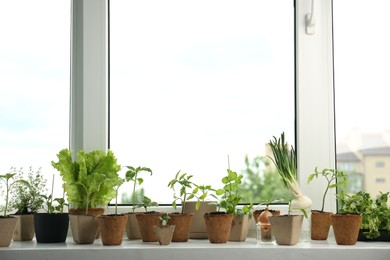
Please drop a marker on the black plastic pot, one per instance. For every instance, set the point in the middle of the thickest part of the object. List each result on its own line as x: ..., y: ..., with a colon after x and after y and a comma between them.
x: 51, y: 228
x: 384, y: 237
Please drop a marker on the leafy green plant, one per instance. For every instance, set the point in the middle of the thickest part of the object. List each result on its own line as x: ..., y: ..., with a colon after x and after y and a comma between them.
x: 147, y: 202
x: 91, y: 180
x: 132, y: 175
x: 9, y: 180
x: 230, y: 195
x: 285, y: 161
x: 49, y: 205
x: 336, y: 177
x: 375, y: 213
x: 25, y: 195
x: 164, y: 219
x: 188, y: 190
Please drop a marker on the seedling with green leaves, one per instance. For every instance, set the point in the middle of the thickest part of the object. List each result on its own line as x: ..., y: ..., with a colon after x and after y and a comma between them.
x: 147, y: 202
x: 188, y: 190
x: 9, y: 180
x: 334, y: 178
x: 132, y: 175
x: 164, y: 219
x: 49, y: 205
x: 229, y: 195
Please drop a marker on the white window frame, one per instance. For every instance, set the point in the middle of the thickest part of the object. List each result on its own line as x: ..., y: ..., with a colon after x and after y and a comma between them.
x: 315, y: 128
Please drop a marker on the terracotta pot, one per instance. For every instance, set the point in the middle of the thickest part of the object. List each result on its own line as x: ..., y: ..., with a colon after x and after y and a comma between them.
x: 346, y: 228
x: 51, y: 228
x: 198, y: 226
x: 286, y: 229
x: 320, y: 224
x: 183, y: 226
x: 146, y: 221
x: 218, y: 226
x: 24, y: 230
x: 239, y: 229
x: 112, y: 228
x: 257, y: 213
x: 84, y: 228
x: 164, y: 233
x: 7, y: 227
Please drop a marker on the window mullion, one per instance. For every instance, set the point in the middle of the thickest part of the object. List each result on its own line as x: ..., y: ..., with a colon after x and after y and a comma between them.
x: 315, y: 98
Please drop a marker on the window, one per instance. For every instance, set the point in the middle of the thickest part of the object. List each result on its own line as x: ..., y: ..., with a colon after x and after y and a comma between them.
x: 193, y: 83
x: 362, y: 61
x: 34, y: 80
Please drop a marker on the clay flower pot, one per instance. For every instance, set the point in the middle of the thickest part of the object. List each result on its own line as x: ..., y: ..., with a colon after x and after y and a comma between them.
x: 164, y: 233
x: 198, y: 226
x: 182, y: 224
x: 7, y: 227
x: 112, y: 228
x: 320, y: 224
x: 286, y: 229
x: 239, y: 229
x: 146, y: 221
x: 24, y: 230
x: 346, y: 228
x: 218, y: 226
x: 51, y: 228
x: 132, y: 229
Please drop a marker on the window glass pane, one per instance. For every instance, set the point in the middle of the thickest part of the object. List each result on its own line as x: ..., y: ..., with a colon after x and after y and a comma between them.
x: 362, y: 63
x: 34, y: 85
x: 193, y: 82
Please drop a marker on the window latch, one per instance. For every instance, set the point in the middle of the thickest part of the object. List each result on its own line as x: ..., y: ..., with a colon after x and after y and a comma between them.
x: 311, y: 21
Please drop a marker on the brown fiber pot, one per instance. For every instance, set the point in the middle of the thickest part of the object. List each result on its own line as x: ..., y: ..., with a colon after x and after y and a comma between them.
x: 164, y: 233
x: 146, y: 221
x: 112, y: 228
x: 257, y: 213
x: 91, y: 212
x: 346, y: 228
x: 286, y: 229
x: 218, y: 226
x: 24, y: 230
x: 239, y: 229
x: 84, y: 228
x: 132, y: 229
x: 198, y: 226
x: 320, y: 224
x: 182, y: 224
x: 7, y: 228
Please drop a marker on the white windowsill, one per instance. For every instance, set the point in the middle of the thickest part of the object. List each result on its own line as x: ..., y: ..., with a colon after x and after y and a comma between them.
x: 195, y: 249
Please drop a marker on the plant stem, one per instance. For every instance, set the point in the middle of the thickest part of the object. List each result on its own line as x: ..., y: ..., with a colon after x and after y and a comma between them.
x: 133, y: 196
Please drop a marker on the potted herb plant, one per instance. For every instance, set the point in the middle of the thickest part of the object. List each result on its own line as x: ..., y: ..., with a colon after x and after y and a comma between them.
x: 232, y: 224
x: 284, y: 158
x: 346, y: 223
x: 113, y: 226
x: 89, y: 183
x: 132, y: 229
x: 375, y: 217
x: 7, y: 222
x: 198, y: 208
x: 320, y: 220
x: 25, y: 198
x: 51, y: 226
x: 164, y: 231
x: 146, y: 220
x: 181, y: 220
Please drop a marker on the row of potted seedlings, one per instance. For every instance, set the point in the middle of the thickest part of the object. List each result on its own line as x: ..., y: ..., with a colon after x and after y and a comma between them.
x: 92, y: 180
